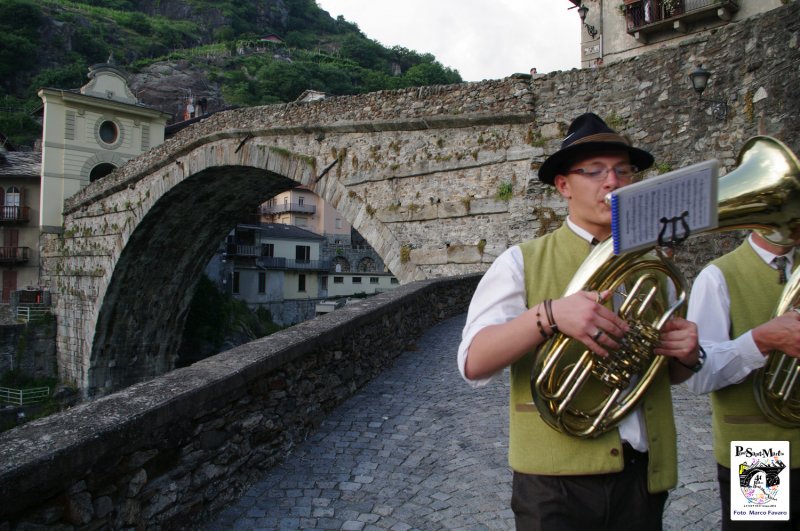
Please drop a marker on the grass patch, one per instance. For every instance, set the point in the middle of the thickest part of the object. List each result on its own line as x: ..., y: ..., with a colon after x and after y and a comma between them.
x: 505, y: 191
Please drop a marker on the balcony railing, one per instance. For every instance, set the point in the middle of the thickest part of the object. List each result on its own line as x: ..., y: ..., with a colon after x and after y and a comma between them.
x: 30, y: 313
x: 20, y: 397
x: 232, y: 249
x: 14, y: 255
x: 653, y: 15
x: 14, y: 214
x: 288, y: 207
x: 269, y: 262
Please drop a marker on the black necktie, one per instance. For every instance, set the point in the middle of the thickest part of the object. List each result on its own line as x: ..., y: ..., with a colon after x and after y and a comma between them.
x: 780, y: 264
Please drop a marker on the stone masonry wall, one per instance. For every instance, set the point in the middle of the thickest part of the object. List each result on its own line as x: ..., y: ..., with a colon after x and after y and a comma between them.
x: 168, y: 452
x: 29, y: 348
x: 649, y: 98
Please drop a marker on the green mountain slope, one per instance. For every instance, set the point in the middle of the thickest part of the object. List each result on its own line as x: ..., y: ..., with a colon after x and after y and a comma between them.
x: 51, y: 43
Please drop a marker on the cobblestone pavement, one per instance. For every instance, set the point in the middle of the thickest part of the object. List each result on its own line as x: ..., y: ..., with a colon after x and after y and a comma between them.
x: 417, y: 448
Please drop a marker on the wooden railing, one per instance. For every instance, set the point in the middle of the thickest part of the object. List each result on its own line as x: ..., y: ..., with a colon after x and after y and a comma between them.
x: 16, y: 214
x: 643, y: 13
x: 14, y: 254
x: 639, y: 14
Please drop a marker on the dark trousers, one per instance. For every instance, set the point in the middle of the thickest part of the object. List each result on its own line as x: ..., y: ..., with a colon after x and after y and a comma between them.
x: 611, y: 502
x: 724, y: 477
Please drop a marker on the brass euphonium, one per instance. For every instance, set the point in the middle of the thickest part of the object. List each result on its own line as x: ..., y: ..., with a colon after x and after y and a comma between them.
x: 585, y: 395
x: 776, y: 385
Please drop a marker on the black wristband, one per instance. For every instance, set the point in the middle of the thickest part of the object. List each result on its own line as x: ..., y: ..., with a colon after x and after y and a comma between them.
x: 550, y: 319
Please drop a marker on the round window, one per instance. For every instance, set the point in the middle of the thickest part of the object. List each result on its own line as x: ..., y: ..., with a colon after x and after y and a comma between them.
x: 109, y: 132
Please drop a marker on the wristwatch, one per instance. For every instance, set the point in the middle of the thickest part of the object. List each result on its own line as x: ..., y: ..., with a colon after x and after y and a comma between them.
x: 701, y: 358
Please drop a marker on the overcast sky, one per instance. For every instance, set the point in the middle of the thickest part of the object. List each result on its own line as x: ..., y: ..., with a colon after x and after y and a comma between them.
x: 482, y: 39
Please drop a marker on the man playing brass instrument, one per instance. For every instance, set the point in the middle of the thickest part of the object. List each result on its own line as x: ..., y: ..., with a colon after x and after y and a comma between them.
x: 618, y: 480
x: 733, y: 301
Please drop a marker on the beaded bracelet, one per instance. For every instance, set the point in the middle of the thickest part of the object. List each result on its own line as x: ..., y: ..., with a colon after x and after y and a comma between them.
x: 539, y: 322
x: 548, y: 306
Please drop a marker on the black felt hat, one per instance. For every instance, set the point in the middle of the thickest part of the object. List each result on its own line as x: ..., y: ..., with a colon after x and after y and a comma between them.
x: 588, y: 133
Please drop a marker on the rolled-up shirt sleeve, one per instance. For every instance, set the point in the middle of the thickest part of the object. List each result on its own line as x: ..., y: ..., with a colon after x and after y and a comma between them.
x: 728, y: 361
x: 499, y: 298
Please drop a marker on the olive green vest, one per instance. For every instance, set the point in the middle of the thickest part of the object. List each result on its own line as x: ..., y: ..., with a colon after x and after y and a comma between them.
x: 754, y: 291
x: 535, y: 447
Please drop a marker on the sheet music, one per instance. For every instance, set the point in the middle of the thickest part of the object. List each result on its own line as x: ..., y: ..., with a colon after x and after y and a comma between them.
x: 675, y: 204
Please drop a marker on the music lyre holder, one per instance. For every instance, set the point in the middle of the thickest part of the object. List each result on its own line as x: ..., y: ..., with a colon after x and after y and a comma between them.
x: 674, y: 238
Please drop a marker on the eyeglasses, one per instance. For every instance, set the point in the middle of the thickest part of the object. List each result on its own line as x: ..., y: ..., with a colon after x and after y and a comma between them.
x: 600, y: 172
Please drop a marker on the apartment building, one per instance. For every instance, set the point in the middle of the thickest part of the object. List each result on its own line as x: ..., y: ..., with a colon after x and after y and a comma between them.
x: 345, y: 249
x: 302, y: 253
x: 612, y: 30
x: 272, y: 262
x: 19, y: 223
x: 303, y: 208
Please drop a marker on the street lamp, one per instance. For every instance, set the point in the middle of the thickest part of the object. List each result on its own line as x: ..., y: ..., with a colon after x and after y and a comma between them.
x: 699, y: 79
x: 589, y: 28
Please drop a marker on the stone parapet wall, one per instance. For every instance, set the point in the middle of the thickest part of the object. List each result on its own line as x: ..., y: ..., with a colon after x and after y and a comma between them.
x: 169, y: 452
x: 289, y: 312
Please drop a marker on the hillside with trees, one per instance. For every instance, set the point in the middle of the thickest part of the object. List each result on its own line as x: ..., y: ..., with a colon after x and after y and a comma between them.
x: 228, y: 52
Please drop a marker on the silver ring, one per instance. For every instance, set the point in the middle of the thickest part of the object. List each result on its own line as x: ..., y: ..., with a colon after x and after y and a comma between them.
x: 796, y: 310
x: 597, y: 335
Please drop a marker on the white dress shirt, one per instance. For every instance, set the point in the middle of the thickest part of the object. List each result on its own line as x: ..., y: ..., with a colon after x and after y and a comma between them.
x: 729, y: 360
x: 499, y: 298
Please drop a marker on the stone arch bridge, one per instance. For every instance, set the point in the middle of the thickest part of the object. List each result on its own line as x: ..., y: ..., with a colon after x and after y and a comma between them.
x: 416, y: 172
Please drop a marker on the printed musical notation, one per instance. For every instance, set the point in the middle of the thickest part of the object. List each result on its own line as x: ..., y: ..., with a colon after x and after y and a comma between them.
x: 666, y: 209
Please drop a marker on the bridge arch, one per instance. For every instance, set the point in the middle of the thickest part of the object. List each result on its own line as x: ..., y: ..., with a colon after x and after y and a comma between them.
x: 131, y: 257
x: 147, y: 298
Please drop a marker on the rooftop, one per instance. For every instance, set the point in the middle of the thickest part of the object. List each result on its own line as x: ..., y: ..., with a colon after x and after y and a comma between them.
x: 20, y: 163
x: 281, y: 231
